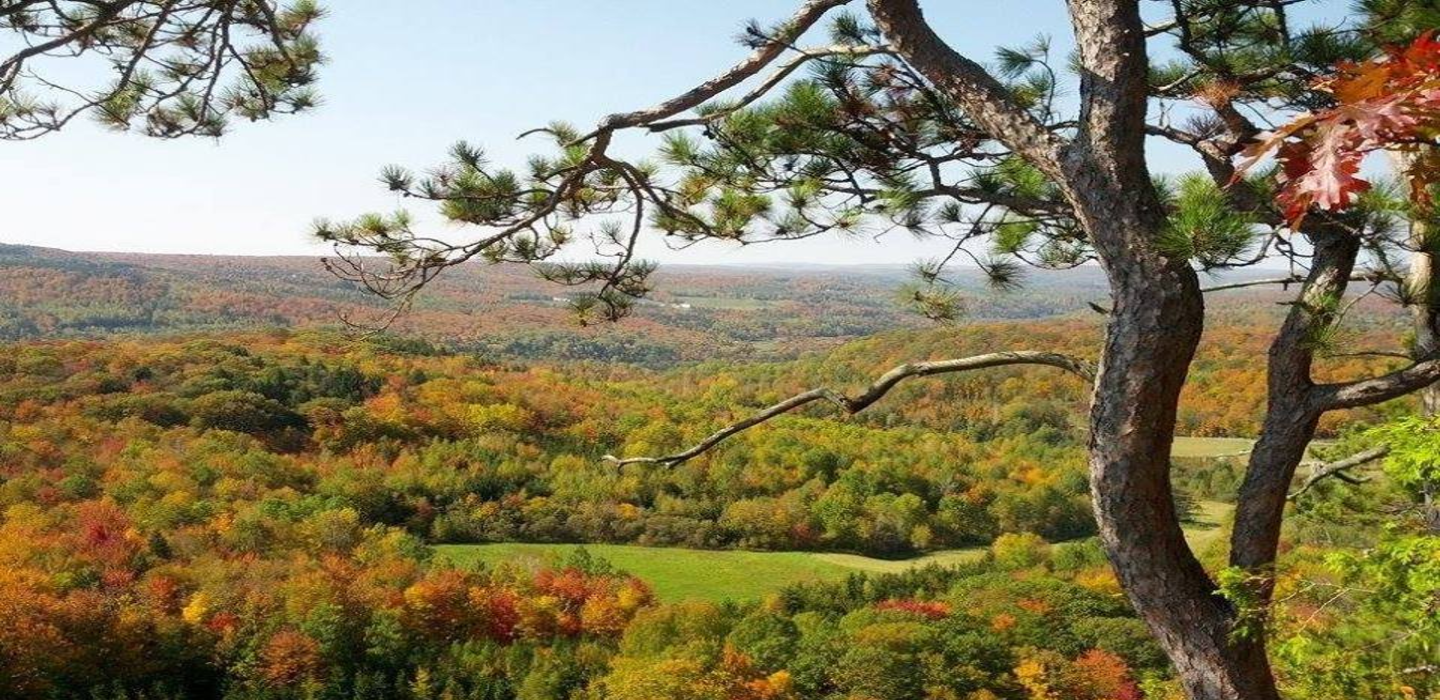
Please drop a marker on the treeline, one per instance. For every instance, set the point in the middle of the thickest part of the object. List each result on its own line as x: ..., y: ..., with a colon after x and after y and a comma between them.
x: 698, y: 313
x: 47, y: 293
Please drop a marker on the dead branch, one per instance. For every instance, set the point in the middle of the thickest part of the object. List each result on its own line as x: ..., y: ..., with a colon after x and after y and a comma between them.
x: 871, y: 394
x: 1322, y: 470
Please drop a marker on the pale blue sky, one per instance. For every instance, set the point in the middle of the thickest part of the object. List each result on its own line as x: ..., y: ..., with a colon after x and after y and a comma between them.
x: 407, y: 79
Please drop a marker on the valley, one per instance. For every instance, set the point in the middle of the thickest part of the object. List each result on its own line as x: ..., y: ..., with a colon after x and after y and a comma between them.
x: 194, y: 455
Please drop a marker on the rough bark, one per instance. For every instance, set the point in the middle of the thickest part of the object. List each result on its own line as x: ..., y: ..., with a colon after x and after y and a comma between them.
x: 1151, y: 339
x: 1154, y: 329
x: 1150, y: 342
x: 1426, y: 310
x: 1292, y: 411
x: 1423, y: 293
x: 1427, y: 344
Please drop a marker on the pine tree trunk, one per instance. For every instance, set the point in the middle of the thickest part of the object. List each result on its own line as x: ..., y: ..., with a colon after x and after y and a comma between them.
x: 1423, y: 292
x: 1154, y: 326
x: 1154, y: 329
x: 1426, y: 310
x: 1291, y: 413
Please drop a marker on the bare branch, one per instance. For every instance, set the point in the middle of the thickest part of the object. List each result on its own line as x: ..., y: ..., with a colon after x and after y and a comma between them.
x: 1367, y: 392
x: 802, y: 20
x: 1336, y: 469
x: 1287, y: 281
x: 1370, y: 353
x: 785, y: 69
x: 1161, y: 28
x: 871, y: 394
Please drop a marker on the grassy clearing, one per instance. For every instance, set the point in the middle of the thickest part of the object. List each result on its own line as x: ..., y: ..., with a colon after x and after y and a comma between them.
x: 676, y: 574
x: 691, y: 574
x: 1203, y: 447
x: 1186, y: 446
x: 1206, y: 529
x: 948, y: 557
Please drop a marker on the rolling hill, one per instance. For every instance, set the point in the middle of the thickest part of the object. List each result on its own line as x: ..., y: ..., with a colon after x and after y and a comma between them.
x: 697, y: 312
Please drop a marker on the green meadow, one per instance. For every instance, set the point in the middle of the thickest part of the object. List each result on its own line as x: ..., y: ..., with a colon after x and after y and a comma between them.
x: 1211, y: 447
x: 679, y: 574
x: 715, y: 575
x: 1193, y: 447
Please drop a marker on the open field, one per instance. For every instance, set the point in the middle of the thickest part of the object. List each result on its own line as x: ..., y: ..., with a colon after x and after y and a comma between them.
x: 1204, y: 447
x: 1207, y: 528
x: 692, y: 574
x: 679, y: 574
x: 1186, y: 446
x: 949, y: 557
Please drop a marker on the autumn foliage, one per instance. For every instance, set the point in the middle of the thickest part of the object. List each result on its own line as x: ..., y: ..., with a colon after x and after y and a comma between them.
x: 1391, y: 103
x: 254, y: 511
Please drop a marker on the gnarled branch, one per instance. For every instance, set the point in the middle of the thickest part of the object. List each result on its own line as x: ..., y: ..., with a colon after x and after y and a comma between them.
x: 1283, y: 281
x: 871, y: 394
x: 1293, y: 279
x: 1367, y: 392
x: 1336, y: 469
x: 803, y: 19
